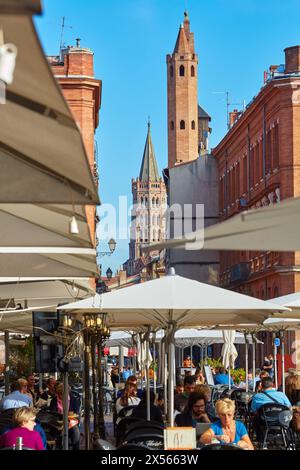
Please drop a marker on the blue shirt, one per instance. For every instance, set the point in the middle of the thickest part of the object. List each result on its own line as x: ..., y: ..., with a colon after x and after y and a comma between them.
x: 256, y: 379
x: 240, y: 431
x: 126, y: 374
x: 261, y: 399
x: 15, y: 399
x: 222, y: 379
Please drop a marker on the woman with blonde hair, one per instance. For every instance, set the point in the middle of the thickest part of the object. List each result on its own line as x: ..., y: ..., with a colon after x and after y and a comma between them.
x: 24, y: 420
x: 226, y: 430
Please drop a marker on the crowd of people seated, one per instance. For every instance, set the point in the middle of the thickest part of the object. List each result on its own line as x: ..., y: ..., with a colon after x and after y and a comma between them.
x: 20, y: 407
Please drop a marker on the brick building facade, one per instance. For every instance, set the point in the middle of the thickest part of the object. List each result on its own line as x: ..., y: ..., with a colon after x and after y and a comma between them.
x: 259, y: 164
x: 74, y: 70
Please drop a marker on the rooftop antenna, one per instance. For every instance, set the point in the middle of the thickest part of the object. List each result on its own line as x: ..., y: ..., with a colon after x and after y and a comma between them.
x: 63, y: 26
x: 228, y: 104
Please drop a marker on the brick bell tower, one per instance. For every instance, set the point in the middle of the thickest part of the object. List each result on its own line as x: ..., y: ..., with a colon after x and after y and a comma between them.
x: 182, y: 70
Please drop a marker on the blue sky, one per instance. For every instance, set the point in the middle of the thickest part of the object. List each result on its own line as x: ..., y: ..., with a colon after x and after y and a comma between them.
x: 236, y: 40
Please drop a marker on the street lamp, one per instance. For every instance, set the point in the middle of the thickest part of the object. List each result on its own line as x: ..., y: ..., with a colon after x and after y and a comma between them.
x: 109, y: 274
x: 111, y: 245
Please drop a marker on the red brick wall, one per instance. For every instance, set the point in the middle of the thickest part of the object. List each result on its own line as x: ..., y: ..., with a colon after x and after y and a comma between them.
x: 83, y: 94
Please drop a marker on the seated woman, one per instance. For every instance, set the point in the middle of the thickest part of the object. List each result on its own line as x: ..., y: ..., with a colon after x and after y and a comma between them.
x: 292, y: 389
x: 128, y: 398
x: 24, y: 420
x: 200, y: 379
x: 56, y: 405
x: 226, y: 430
x: 194, y: 411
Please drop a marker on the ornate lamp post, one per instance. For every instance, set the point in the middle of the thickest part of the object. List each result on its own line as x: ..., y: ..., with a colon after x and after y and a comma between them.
x: 97, y: 331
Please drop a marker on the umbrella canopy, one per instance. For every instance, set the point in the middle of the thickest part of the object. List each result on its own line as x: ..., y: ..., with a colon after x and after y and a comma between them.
x: 35, y: 241
x: 229, y: 352
x: 42, y: 155
x: 183, y: 338
x: 37, y: 295
x: 274, y: 228
x: 175, y: 300
x: 292, y: 301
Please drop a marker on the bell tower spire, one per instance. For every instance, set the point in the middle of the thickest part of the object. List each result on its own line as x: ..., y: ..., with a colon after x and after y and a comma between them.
x: 182, y: 69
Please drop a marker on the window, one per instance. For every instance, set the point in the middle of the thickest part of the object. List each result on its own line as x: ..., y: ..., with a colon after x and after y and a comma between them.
x: 257, y: 163
x: 276, y: 146
x: 268, y: 152
x: 172, y: 125
x: 251, y: 167
x: 153, y: 202
x: 182, y: 125
x: 171, y: 71
x: 181, y: 71
x: 157, y: 202
x: 192, y: 71
x: 193, y: 125
x: 238, y: 190
x: 245, y: 175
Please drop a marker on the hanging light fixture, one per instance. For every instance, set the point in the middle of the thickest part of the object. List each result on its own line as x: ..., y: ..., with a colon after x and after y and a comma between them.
x: 73, y: 226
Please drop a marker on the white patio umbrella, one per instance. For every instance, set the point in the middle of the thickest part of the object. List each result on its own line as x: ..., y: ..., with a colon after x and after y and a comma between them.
x: 173, y: 302
x: 36, y: 241
x: 273, y: 228
x: 42, y: 295
x: 42, y: 155
x: 229, y: 352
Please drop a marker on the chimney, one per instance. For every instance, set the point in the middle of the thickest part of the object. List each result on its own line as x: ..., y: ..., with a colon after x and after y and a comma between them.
x: 122, y: 277
x: 233, y: 116
x: 292, y: 59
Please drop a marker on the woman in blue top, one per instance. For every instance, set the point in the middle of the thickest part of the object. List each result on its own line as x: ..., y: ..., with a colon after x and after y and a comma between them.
x: 226, y: 430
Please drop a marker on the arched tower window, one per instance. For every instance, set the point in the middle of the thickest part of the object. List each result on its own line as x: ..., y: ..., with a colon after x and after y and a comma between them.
x: 157, y: 202
x: 192, y: 71
x: 171, y: 71
x: 142, y: 201
x: 172, y: 125
x: 182, y: 124
x: 153, y: 202
x: 193, y: 125
x: 181, y: 71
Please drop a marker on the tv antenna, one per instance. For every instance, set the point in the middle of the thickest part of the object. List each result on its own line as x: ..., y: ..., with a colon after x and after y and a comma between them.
x: 229, y: 103
x: 63, y: 26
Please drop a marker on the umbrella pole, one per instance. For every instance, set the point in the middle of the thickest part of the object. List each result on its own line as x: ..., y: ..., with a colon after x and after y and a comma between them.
x: 282, y: 360
x: 147, y: 374
x: 6, y: 370
x: 246, y: 362
x: 159, y: 362
x: 165, y: 380
x: 275, y: 361
x: 87, y: 401
x: 191, y: 358
x: 171, y: 384
x: 65, y: 411
x: 154, y: 366
x: 253, y: 362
